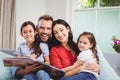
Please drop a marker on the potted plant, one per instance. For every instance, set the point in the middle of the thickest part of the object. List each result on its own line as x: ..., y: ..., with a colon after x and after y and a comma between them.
x: 116, y: 44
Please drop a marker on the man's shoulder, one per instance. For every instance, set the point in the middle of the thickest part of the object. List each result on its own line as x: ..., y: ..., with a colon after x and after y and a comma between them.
x: 43, y: 44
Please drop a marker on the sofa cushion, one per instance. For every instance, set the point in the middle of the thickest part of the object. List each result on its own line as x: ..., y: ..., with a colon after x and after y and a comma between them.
x: 5, y: 71
x: 107, y: 72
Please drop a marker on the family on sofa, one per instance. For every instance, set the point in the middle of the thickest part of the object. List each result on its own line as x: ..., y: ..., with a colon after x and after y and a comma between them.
x: 61, y: 33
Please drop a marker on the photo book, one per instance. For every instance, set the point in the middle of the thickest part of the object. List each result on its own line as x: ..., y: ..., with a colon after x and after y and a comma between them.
x: 55, y: 73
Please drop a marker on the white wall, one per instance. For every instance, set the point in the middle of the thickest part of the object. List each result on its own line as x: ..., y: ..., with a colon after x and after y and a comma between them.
x: 32, y: 9
x: 60, y: 9
x: 27, y: 10
x: 56, y: 8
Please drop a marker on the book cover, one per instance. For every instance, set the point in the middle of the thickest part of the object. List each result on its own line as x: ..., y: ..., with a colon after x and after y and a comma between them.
x: 54, y: 72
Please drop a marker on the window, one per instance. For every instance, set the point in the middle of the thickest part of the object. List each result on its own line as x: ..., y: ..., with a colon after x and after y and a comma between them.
x: 99, y: 3
x: 101, y: 17
x: 87, y: 3
x: 109, y: 3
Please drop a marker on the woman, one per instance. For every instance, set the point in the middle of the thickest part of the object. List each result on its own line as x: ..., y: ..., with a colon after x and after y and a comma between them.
x: 64, y: 50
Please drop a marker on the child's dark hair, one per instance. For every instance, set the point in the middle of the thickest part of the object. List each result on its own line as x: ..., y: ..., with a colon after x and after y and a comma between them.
x: 35, y: 46
x: 27, y: 23
x: 92, y: 40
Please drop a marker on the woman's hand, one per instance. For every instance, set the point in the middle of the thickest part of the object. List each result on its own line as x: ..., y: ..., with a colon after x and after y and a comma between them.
x: 92, y: 67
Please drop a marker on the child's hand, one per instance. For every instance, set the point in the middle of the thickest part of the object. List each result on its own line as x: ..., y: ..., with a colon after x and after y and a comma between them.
x: 19, y: 56
x: 33, y: 56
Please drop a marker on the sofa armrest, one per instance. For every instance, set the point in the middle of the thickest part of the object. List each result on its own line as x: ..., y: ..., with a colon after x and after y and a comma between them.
x: 113, y: 60
x: 8, y: 51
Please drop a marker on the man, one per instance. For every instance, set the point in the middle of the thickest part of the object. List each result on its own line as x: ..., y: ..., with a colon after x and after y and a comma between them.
x: 44, y: 31
x: 44, y: 27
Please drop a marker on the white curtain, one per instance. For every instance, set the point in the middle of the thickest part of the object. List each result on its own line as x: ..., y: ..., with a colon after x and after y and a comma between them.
x: 7, y: 24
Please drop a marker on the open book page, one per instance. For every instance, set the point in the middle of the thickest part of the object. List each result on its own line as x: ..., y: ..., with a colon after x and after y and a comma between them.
x: 54, y: 72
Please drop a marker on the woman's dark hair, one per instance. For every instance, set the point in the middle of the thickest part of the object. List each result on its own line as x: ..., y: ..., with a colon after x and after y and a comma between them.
x: 71, y: 43
x: 35, y: 46
x: 92, y: 40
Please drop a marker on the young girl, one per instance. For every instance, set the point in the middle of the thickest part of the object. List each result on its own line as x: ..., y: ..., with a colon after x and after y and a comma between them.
x: 86, y: 44
x: 30, y: 49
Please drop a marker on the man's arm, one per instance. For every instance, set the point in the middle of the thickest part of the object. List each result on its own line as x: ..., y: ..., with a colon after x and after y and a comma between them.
x: 28, y: 69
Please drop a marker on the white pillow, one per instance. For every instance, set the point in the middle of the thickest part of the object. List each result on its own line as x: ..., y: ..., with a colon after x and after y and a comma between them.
x: 107, y: 72
x: 4, y: 71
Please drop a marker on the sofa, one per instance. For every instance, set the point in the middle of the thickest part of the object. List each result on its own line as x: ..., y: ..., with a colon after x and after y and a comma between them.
x: 110, y: 66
